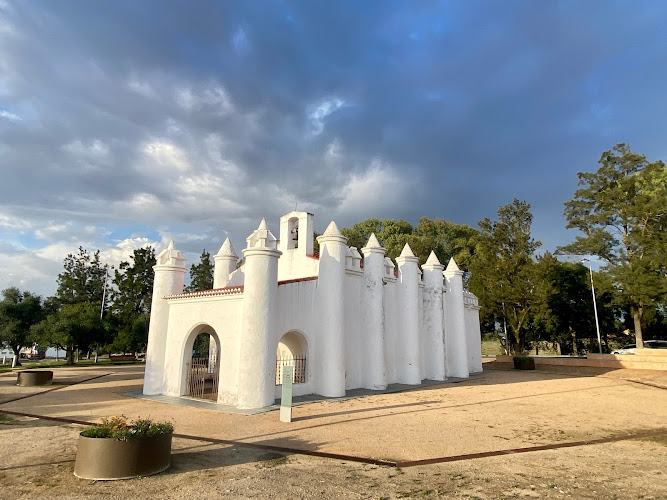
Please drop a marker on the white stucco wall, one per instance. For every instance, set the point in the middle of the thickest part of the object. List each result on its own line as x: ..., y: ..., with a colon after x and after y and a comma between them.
x: 354, y: 330
x: 188, y: 317
x: 357, y: 327
x: 295, y: 311
x: 295, y: 264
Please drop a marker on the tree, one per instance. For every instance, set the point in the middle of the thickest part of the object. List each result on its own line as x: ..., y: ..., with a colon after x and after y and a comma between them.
x: 83, y: 279
x: 132, y: 300
x: 75, y: 326
x: 201, y: 275
x: 505, y: 276
x: 569, y: 318
x: 446, y: 238
x: 18, y: 312
x: 621, y: 209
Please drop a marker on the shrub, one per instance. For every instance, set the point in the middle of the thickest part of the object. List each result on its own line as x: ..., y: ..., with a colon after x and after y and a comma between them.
x: 524, y: 363
x: 119, y: 428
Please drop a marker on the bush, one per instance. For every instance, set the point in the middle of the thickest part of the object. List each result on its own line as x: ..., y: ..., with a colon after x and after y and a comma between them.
x: 122, y: 430
x: 524, y: 362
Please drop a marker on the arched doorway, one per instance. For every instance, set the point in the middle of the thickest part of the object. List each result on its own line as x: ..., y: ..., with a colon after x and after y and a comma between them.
x: 202, y: 363
x: 291, y: 351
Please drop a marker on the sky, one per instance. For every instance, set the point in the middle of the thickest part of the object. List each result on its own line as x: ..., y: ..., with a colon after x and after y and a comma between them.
x: 125, y: 123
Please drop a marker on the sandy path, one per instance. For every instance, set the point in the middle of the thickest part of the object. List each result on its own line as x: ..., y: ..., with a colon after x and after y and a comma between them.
x: 504, y: 409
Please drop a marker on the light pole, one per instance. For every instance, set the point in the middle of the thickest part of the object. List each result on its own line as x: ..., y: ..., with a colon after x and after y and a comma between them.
x: 595, y: 307
x: 104, y: 290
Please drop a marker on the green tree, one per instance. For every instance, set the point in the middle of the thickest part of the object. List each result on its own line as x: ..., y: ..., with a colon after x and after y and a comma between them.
x: 446, y: 238
x: 570, y: 315
x: 132, y: 300
x: 505, y: 276
x: 201, y: 275
x: 83, y: 279
x: 18, y: 312
x: 74, y: 326
x: 621, y: 209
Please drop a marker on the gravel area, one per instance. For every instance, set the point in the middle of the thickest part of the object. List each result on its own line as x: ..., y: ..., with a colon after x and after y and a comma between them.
x: 507, y: 433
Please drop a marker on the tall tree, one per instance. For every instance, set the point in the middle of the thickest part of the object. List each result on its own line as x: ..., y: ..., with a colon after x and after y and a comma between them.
x: 83, y: 279
x: 132, y: 300
x: 505, y: 275
x: 201, y: 275
x: 75, y: 326
x: 569, y: 318
x: 446, y: 238
x: 18, y: 312
x: 621, y: 209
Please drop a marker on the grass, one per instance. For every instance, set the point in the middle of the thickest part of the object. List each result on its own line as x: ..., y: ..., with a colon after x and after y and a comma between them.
x: 6, y: 419
x: 492, y: 347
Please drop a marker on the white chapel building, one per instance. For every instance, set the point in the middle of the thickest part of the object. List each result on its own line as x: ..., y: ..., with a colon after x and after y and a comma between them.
x: 343, y: 322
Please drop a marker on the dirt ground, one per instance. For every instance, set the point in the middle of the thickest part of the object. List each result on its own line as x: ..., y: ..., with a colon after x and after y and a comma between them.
x: 556, y: 433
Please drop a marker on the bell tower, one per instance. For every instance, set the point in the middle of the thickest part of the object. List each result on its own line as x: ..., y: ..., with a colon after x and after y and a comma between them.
x: 297, y: 232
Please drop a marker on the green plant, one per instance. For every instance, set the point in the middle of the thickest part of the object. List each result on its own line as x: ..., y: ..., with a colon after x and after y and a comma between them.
x: 524, y: 362
x: 121, y: 429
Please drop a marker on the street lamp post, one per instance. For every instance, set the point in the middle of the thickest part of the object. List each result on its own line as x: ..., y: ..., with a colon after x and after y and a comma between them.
x: 595, y: 307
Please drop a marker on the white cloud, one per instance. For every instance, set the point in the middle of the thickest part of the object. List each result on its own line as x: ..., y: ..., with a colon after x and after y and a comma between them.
x: 214, y: 97
x: 320, y: 111
x: 142, y: 87
x: 12, y: 222
x: 9, y: 116
x: 28, y: 271
x: 95, y: 150
x: 146, y: 204
x: 241, y: 42
x: 334, y: 150
x: 113, y: 255
x: 68, y: 232
x: 165, y: 154
x: 375, y: 190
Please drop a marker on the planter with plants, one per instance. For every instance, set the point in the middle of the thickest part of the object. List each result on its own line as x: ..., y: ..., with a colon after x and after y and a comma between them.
x: 118, y: 449
x: 524, y: 363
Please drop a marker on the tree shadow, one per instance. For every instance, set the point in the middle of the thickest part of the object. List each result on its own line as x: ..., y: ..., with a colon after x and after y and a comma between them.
x: 265, y: 454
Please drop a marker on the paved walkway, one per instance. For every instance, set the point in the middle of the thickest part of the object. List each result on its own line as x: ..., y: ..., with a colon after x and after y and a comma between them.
x: 204, y: 404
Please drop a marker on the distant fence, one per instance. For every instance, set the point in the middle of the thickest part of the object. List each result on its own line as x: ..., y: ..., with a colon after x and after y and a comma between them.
x: 299, y: 364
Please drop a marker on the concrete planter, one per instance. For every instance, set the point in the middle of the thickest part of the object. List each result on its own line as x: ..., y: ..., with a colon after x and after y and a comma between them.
x: 27, y: 378
x: 107, y: 459
x: 524, y: 363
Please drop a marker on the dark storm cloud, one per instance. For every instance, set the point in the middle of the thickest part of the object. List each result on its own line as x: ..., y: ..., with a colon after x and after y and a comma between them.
x: 206, y: 116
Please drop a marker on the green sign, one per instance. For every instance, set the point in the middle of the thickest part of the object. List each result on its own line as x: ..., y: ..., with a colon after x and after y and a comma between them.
x: 288, y: 376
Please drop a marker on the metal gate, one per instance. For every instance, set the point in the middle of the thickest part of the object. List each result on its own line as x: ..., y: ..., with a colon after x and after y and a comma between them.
x: 202, y: 378
x: 299, y: 364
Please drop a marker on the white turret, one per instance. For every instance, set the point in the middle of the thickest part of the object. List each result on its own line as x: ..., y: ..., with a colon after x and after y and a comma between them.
x: 456, y: 349
x: 169, y: 279
x: 257, y: 365
x: 408, y: 367
x: 374, y: 371
x: 434, y: 342
x: 225, y: 264
x: 331, y: 311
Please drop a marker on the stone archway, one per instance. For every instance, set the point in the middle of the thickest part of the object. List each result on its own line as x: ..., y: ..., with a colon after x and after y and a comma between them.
x: 201, y: 362
x: 292, y: 351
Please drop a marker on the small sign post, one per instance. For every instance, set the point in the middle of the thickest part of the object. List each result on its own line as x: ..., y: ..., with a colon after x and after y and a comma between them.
x: 286, y: 399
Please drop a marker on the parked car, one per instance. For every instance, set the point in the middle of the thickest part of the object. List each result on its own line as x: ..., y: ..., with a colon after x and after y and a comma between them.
x: 648, y: 344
